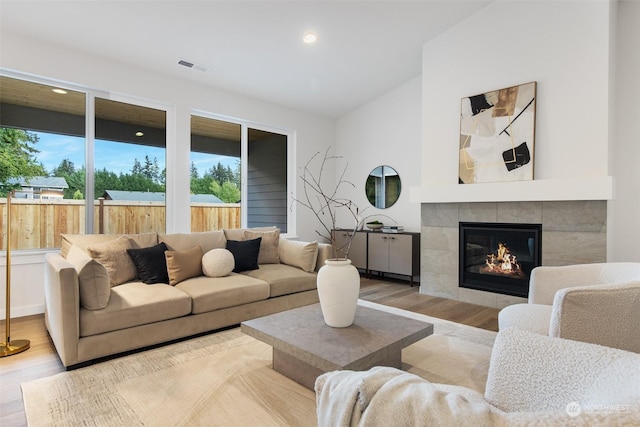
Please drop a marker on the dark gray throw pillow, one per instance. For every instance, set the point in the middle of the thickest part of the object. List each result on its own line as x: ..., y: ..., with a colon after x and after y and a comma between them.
x: 245, y: 253
x: 151, y: 263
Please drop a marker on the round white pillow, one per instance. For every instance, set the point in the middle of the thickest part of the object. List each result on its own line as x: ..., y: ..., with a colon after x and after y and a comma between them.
x: 217, y: 263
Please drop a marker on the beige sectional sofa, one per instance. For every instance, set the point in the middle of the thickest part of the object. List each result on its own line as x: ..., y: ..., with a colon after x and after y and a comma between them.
x: 97, y: 303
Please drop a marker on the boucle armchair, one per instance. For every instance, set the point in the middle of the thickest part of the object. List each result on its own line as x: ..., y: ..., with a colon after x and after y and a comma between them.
x: 596, y: 303
x: 532, y: 380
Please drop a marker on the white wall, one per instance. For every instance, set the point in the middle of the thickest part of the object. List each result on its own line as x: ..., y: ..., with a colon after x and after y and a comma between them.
x: 569, y: 49
x: 386, y: 131
x: 561, y: 45
x: 41, y: 59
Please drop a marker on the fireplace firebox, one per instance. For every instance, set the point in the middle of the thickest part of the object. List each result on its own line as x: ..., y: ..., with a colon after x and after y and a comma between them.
x: 499, y: 257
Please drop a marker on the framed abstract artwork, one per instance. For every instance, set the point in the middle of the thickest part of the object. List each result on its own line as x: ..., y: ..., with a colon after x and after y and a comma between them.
x: 497, y: 134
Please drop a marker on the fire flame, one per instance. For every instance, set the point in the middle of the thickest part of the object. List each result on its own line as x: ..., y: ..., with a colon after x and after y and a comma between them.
x: 502, y: 262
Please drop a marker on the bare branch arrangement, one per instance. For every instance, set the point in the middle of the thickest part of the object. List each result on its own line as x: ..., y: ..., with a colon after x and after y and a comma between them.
x: 325, y: 203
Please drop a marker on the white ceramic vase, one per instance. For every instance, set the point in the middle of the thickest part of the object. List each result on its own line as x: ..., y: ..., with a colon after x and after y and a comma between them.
x: 338, y: 287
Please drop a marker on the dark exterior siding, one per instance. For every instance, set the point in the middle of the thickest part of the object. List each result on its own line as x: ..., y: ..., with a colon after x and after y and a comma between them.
x: 267, y: 183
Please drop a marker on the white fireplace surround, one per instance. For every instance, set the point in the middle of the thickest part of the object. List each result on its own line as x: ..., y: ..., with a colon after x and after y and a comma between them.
x: 583, y: 188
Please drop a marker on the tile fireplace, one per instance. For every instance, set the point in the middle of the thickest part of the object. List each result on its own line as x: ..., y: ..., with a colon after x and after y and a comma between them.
x: 573, y: 232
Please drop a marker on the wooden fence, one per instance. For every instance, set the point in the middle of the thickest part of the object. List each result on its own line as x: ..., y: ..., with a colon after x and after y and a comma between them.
x: 38, y: 224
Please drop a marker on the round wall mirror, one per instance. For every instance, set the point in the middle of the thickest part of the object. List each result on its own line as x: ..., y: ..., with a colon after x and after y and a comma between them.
x: 383, y: 187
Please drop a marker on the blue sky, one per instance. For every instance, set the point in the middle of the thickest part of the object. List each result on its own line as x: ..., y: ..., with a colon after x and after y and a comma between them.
x: 114, y: 156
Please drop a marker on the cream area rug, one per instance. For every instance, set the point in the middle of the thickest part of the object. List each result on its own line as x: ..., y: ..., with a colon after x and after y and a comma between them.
x: 225, y: 379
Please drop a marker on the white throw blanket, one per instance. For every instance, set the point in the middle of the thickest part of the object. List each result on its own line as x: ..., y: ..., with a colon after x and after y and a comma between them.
x: 387, y: 396
x: 390, y: 397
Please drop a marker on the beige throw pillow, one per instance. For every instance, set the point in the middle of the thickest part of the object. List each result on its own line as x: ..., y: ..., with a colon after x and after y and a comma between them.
x: 207, y: 240
x: 299, y: 254
x: 217, y: 263
x: 238, y: 233
x: 114, y: 257
x: 142, y: 240
x: 93, y: 279
x: 183, y: 265
x: 268, y: 246
x: 83, y: 240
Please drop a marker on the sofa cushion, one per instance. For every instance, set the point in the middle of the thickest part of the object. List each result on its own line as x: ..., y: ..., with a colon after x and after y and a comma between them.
x: 182, y: 265
x: 141, y: 240
x: 207, y: 240
x: 210, y: 293
x: 93, y: 279
x: 217, y: 263
x: 268, y: 245
x: 113, y: 255
x: 284, y: 279
x: 299, y: 254
x: 134, y: 304
x: 245, y: 254
x: 151, y: 263
x: 238, y: 233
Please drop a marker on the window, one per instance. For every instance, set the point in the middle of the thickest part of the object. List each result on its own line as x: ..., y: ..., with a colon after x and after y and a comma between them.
x: 43, y: 157
x: 221, y: 163
x: 84, y: 161
x: 58, y: 166
x: 132, y: 185
x: 215, y: 175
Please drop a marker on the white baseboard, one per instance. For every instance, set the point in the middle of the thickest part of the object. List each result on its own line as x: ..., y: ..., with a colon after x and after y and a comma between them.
x: 22, y: 311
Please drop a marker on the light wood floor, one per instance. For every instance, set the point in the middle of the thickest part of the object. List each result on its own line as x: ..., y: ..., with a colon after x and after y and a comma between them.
x: 41, y: 359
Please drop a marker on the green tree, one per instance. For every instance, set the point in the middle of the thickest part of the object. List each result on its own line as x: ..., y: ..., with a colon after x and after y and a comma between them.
x: 17, y: 157
x: 105, y: 180
x: 64, y: 169
x: 194, y: 171
x: 214, y: 188
x: 229, y: 193
x: 76, y: 183
x: 78, y: 195
x: 201, y: 185
x: 75, y: 178
x: 136, y: 183
x: 150, y: 169
x: 137, y: 167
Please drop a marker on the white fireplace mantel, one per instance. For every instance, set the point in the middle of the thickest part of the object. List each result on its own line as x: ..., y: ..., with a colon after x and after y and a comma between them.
x: 585, y: 188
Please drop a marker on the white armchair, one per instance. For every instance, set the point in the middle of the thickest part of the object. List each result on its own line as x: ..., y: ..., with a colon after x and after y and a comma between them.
x: 532, y: 380
x: 596, y: 303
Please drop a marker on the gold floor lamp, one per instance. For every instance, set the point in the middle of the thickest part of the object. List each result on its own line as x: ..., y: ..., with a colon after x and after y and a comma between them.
x: 10, y: 346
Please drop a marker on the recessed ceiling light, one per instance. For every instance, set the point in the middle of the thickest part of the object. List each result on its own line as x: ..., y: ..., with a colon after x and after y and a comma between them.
x: 139, y: 133
x: 60, y: 91
x: 309, y: 37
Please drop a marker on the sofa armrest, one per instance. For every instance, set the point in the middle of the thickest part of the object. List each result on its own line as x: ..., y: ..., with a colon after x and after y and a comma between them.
x: 547, y: 280
x: 324, y: 253
x: 602, y: 314
x: 62, y: 306
x: 532, y: 372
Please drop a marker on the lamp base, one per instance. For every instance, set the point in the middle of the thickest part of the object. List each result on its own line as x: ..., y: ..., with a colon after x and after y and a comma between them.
x: 14, y: 347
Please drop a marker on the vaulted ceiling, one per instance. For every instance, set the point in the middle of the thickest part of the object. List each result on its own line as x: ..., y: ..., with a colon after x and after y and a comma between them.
x: 364, y: 48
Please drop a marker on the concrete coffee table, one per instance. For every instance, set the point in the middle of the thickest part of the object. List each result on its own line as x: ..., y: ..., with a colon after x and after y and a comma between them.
x: 304, y: 347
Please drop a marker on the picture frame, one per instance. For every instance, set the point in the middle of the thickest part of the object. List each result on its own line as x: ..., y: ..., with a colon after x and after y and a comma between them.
x: 497, y: 135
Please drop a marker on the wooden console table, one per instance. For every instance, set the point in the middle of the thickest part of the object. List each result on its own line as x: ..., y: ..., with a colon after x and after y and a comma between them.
x: 393, y: 253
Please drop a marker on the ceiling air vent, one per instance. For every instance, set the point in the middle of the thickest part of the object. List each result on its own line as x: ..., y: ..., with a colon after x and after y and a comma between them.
x: 189, y: 64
